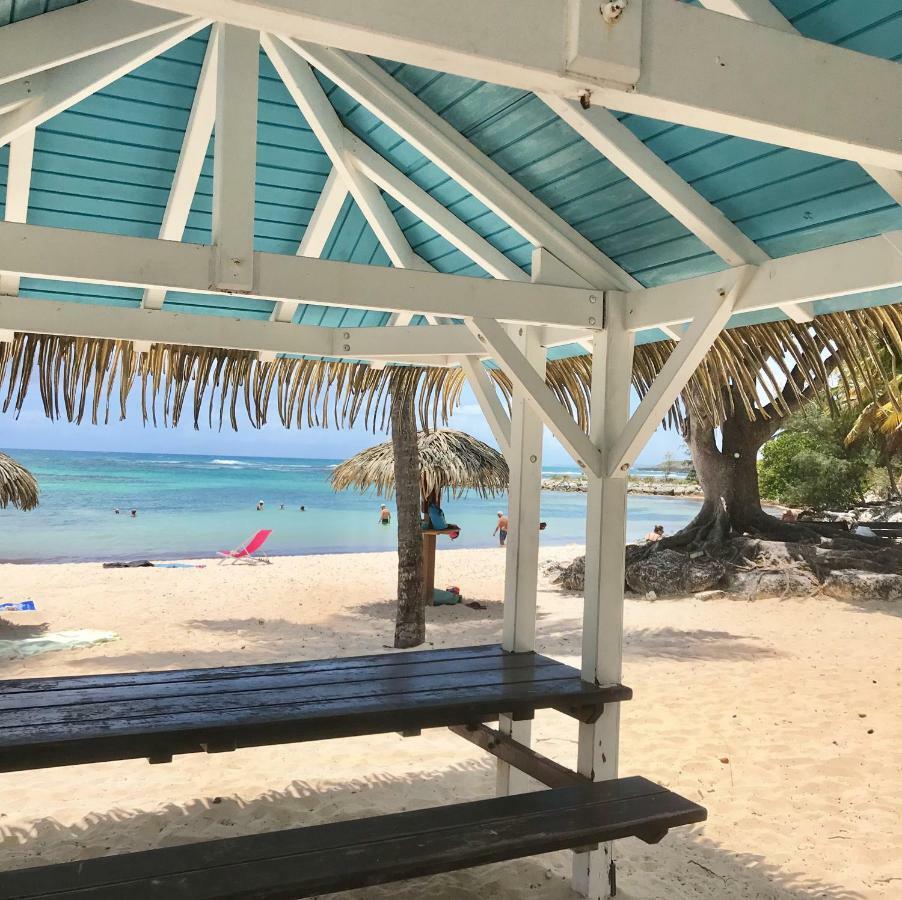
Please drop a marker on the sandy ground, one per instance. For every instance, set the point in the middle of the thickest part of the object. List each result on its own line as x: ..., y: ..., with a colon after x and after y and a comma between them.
x: 781, y: 716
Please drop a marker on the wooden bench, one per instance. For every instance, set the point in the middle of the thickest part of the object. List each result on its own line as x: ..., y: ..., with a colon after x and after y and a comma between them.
x: 94, y: 718
x: 343, y: 855
x: 80, y: 719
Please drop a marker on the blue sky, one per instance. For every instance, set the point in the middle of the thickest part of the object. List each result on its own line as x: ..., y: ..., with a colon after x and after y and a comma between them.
x: 33, y: 430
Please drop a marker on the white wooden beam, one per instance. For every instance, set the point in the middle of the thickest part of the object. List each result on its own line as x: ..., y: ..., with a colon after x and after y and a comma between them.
x: 870, y: 264
x: 385, y: 176
x: 761, y: 11
x: 410, y: 344
x: 682, y: 362
x: 489, y: 402
x: 765, y: 13
x: 65, y: 35
x: 401, y: 110
x: 602, y: 633
x: 624, y: 150
x: 640, y: 164
x: 661, y: 59
x: 524, y: 377
x: 67, y: 85
x: 308, y: 94
x: 18, y: 185
x: 234, y: 158
x: 63, y: 254
x: 191, y: 157
x: 316, y: 234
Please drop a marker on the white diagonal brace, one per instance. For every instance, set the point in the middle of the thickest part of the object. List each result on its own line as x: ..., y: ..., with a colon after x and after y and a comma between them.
x: 234, y: 158
x: 765, y: 13
x: 316, y: 234
x: 191, y: 158
x: 382, y: 173
x: 18, y: 185
x: 65, y: 35
x: 69, y: 84
x: 401, y: 110
x: 676, y: 372
x: 308, y: 94
x: 642, y: 166
x: 525, y: 378
x: 487, y: 397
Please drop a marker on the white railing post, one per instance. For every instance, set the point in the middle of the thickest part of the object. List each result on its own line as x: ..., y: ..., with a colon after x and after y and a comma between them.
x: 602, y: 650
x: 522, y: 560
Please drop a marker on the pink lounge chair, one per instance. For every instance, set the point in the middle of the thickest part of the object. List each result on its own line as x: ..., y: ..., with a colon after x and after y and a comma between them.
x: 245, y: 553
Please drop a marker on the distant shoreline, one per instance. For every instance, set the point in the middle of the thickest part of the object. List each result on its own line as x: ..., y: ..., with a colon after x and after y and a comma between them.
x: 577, y: 484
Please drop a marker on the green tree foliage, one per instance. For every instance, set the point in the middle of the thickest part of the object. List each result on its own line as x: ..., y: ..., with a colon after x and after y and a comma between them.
x: 808, y: 464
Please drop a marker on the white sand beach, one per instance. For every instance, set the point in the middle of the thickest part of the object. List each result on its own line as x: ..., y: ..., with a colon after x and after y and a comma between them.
x: 780, y: 716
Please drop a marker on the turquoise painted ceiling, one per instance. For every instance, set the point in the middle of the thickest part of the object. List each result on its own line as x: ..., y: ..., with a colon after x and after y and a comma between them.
x: 107, y: 165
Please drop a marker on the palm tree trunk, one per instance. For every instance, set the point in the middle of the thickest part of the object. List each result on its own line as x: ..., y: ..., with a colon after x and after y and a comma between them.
x: 410, y: 624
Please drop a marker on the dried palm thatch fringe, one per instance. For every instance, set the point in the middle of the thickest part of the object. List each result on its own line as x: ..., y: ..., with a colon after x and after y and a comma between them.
x: 449, y: 460
x: 78, y: 377
x: 17, y: 485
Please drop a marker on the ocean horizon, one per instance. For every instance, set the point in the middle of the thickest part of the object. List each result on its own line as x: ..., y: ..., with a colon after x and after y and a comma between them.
x: 191, y: 506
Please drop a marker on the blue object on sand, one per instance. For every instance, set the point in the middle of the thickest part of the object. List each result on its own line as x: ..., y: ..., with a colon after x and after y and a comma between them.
x: 24, y: 606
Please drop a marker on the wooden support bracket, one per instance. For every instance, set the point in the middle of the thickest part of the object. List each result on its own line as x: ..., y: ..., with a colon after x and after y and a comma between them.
x: 520, y: 756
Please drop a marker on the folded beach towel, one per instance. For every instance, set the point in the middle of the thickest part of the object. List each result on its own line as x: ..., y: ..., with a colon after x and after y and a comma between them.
x: 60, y: 640
x: 23, y: 606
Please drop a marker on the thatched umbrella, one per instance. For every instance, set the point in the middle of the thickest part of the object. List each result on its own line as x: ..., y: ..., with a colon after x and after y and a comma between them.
x: 449, y: 460
x: 17, y: 485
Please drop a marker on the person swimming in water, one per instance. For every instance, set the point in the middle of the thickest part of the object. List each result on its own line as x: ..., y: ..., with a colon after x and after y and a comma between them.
x: 259, y: 506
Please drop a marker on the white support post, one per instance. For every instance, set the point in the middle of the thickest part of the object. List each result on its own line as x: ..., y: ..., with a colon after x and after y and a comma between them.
x: 191, y: 157
x: 676, y: 372
x: 18, y: 185
x: 489, y: 402
x: 524, y: 377
x: 317, y: 232
x: 602, y: 651
x: 234, y: 159
x: 57, y: 90
x: 522, y: 555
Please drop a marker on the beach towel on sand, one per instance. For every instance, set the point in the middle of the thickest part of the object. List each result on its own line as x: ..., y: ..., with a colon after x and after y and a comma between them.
x: 59, y: 640
x: 23, y: 606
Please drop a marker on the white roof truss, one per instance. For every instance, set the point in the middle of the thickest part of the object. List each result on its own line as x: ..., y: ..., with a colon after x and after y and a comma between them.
x: 661, y: 59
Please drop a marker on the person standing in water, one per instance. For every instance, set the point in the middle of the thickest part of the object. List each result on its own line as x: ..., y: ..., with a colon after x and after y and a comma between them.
x: 501, y: 528
x: 259, y: 506
x: 385, y: 515
x: 655, y: 534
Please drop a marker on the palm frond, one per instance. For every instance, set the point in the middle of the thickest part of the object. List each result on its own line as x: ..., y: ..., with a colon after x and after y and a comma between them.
x: 759, y: 369
x: 18, y: 487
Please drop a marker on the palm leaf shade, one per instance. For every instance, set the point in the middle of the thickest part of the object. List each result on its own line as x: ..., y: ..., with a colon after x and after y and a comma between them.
x: 81, y: 378
x: 18, y: 486
x: 449, y: 460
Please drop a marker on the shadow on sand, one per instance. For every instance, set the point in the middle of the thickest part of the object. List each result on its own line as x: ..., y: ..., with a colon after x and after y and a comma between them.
x: 703, y: 867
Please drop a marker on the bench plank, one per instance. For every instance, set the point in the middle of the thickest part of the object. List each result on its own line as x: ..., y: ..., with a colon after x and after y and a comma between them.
x: 98, y: 718
x: 344, y: 855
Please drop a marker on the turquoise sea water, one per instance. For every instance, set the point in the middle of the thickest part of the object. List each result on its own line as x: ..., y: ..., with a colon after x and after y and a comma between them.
x: 192, y: 506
